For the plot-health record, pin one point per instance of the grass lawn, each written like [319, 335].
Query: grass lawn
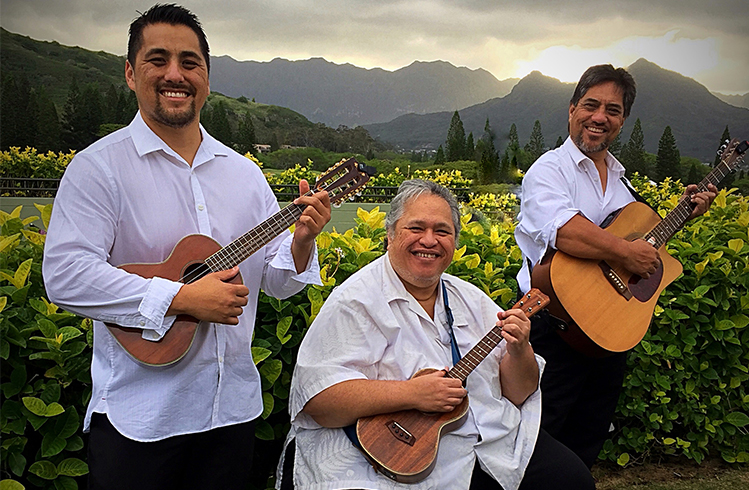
[673, 475]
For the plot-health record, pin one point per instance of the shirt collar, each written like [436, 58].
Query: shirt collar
[146, 141]
[579, 157]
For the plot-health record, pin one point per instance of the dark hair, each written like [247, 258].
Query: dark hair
[598, 74]
[166, 14]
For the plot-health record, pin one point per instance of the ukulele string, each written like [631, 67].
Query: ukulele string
[204, 269]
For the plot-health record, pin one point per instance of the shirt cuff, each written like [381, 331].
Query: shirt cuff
[154, 306]
[284, 260]
[559, 221]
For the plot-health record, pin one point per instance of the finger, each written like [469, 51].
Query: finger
[303, 188]
[228, 274]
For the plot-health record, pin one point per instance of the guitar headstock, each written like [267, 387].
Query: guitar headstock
[343, 179]
[532, 302]
[732, 153]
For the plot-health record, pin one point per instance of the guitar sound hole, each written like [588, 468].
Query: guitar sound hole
[194, 271]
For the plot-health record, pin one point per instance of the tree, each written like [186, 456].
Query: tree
[560, 142]
[49, 129]
[615, 148]
[668, 161]
[439, 157]
[470, 150]
[245, 135]
[489, 164]
[274, 145]
[513, 136]
[455, 146]
[535, 147]
[73, 119]
[220, 124]
[632, 155]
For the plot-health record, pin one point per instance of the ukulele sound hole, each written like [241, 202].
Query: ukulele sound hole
[194, 271]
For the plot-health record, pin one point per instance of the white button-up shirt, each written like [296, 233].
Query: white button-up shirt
[560, 184]
[372, 328]
[129, 198]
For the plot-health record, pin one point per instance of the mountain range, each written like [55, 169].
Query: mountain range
[345, 94]
[410, 107]
[696, 116]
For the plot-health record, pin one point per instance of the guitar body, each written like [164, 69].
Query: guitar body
[403, 445]
[188, 254]
[600, 318]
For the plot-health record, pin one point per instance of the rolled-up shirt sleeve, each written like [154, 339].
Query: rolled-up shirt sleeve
[547, 205]
[77, 274]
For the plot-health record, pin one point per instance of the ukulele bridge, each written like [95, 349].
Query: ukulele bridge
[615, 280]
[400, 433]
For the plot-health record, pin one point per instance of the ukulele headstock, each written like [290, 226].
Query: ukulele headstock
[343, 179]
[532, 302]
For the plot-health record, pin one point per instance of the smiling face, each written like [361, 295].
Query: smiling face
[422, 245]
[597, 119]
[170, 77]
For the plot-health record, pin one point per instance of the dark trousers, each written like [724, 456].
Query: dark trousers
[219, 458]
[579, 394]
[552, 466]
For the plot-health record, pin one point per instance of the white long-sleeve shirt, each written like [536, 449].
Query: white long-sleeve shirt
[388, 336]
[560, 184]
[129, 198]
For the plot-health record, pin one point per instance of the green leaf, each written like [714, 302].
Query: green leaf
[54, 409]
[4, 350]
[51, 392]
[264, 431]
[260, 354]
[270, 370]
[16, 463]
[72, 467]
[68, 333]
[35, 405]
[740, 320]
[268, 402]
[623, 459]
[739, 419]
[668, 441]
[724, 325]
[65, 483]
[44, 469]
[11, 485]
[67, 425]
[315, 298]
[48, 328]
[51, 445]
[282, 328]
[74, 444]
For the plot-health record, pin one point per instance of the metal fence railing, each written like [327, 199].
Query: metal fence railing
[24, 187]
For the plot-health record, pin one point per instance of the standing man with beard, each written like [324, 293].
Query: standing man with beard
[567, 194]
[129, 198]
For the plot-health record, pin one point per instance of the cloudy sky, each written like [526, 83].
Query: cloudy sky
[705, 40]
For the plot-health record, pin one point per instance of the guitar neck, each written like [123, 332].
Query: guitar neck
[678, 216]
[240, 249]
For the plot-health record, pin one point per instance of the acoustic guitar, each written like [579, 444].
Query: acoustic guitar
[403, 445]
[194, 256]
[624, 302]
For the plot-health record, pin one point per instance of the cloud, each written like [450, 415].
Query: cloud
[706, 40]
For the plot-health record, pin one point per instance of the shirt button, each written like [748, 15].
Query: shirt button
[220, 359]
[200, 207]
[142, 323]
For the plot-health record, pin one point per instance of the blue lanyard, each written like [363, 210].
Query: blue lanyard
[450, 321]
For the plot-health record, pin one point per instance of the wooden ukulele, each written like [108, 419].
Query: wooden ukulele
[194, 256]
[403, 445]
[619, 316]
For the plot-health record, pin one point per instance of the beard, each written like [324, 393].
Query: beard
[174, 119]
[580, 143]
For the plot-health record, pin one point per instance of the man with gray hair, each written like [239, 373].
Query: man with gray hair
[401, 314]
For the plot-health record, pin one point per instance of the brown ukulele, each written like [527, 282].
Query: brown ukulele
[197, 255]
[619, 316]
[403, 445]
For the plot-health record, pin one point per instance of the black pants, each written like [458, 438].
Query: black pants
[552, 467]
[219, 458]
[579, 394]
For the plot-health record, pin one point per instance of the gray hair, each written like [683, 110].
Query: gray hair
[598, 74]
[411, 189]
